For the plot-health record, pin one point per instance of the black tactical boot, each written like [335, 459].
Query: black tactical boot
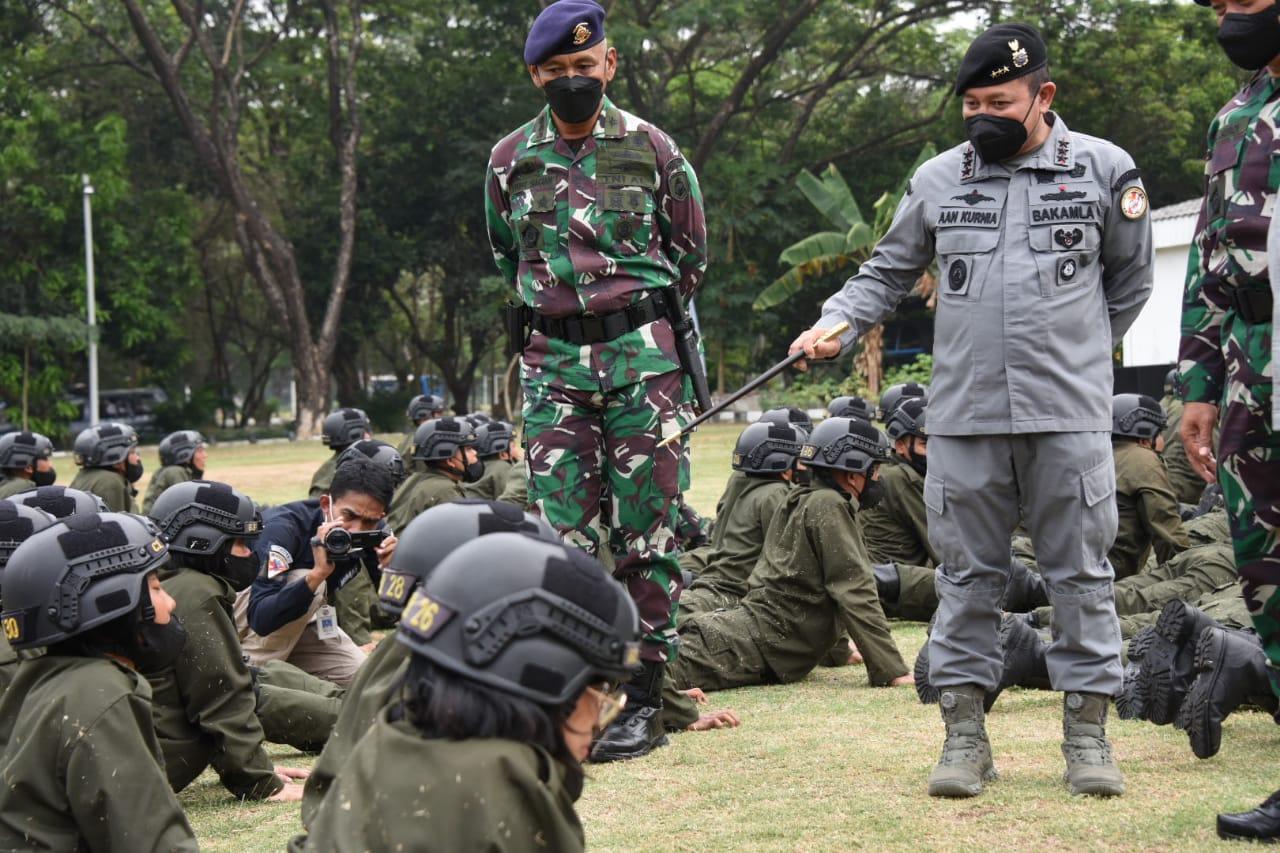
[1232, 671]
[1090, 767]
[1131, 704]
[1260, 824]
[1026, 589]
[920, 672]
[1167, 667]
[638, 729]
[966, 754]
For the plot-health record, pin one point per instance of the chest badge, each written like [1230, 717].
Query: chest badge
[1133, 204]
[972, 197]
[1063, 194]
[1067, 238]
[1067, 270]
[957, 275]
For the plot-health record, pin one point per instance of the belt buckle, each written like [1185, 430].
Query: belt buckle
[592, 329]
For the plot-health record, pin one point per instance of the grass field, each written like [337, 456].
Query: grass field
[828, 763]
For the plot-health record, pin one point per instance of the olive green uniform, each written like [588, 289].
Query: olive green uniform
[1187, 484]
[296, 707]
[371, 691]
[1224, 605]
[517, 488]
[492, 482]
[81, 763]
[812, 584]
[1148, 510]
[411, 465]
[402, 791]
[11, 486]
[737, 541]
[110, 485]
[420, 493]
[353, 607]
[897, 529]
[169, 475]
[204, 704]
[8, 664]
[323, 477]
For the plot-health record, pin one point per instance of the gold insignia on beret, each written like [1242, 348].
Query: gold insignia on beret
[1003, 69]
[1020, 57]
[581, 33]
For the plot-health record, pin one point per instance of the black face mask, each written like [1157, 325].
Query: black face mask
[473, 472]
[574, 99]
[802, 476]
[1251, 41]
[44, 478]
[133, 471]
[919, 463]
[872, 494]
[997, 138]
[239, 571]
[158, 646]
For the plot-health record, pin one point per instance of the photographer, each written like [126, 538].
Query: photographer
[308, 551]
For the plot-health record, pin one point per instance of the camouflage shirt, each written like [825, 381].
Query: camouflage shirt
[1242, 171]
[589, 231]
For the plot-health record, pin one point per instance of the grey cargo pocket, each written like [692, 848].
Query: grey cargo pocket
[964, 259]
[1099, 516]
[935, 494]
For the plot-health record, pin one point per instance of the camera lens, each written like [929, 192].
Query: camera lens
[337, 542]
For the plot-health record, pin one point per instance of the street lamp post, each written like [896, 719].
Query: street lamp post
[93, 323]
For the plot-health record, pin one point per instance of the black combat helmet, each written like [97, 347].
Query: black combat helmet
[1136, 416]
[379, 453]
[20, 449]
[440, 438]
[895, 394]
[493, 438]
[344, 427]
[60, 501]
[851, 407]
[907, 418]
[1171, 382]
[77, 574]
[434, 534]
[201, 520]
[177, 448]
[104, 445]
[845, 444]
[533, 619]
[424, 406]
[17, 523]
[767, 448]
[793, 416]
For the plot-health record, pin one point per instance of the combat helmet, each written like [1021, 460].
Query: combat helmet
[379, 453]
[534, 619]
[424, 406]
[61, 501]
[767, 448]
[907, 419]
[493, 438]
[440, 438]
[1137, 416]
[177, 448]
[20, 449]
[344, 427]
[851, 407]
[77, 574]
[198, 517]
[895, 394]
[1171, 384]
[104, 445]
[434, 534]
[17, 524]
[793, 416]
[845, 444]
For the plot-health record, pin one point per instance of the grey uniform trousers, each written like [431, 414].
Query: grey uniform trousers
[1062, 487]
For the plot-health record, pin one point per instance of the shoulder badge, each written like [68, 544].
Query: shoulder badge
[1133, 204]
[678, 180]
[279, 561]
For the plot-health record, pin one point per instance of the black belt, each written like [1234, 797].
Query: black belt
[1252, 304]
[581, 329]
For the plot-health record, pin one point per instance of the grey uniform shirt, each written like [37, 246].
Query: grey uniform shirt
[1039, 273]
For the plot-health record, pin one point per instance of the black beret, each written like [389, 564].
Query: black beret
[566, 26]
[1004, 52]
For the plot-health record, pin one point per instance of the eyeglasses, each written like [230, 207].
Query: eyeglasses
[612, 700]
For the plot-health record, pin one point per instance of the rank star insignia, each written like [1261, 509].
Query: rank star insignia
[1020, 58]
[581, 33]
[997, 72]
[1133, 204]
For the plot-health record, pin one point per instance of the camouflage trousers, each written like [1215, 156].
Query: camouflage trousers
[1249, 471]
[598, 476]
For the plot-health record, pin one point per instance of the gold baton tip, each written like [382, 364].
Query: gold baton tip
[832, 334]
[670, 439]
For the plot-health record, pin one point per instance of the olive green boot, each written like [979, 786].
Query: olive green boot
[1090, 768]
[966, 754]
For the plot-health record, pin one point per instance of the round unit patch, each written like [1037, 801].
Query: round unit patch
[1067, 269]
[957, 274]
[1133, 204]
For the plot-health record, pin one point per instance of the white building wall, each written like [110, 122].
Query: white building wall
[1153, 338]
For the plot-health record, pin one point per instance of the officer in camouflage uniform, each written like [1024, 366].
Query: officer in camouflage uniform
[766, 455]
[445, 450]
[26, 462]
[1188, 486]
[340, 430]
[109, 465]
[422, 408]
[1225, 356]
[594, 216]
[1145, 503]
[1044, 246]
[182, 459]
[498, 453]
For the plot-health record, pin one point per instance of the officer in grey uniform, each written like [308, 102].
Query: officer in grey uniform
[1044, 246]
